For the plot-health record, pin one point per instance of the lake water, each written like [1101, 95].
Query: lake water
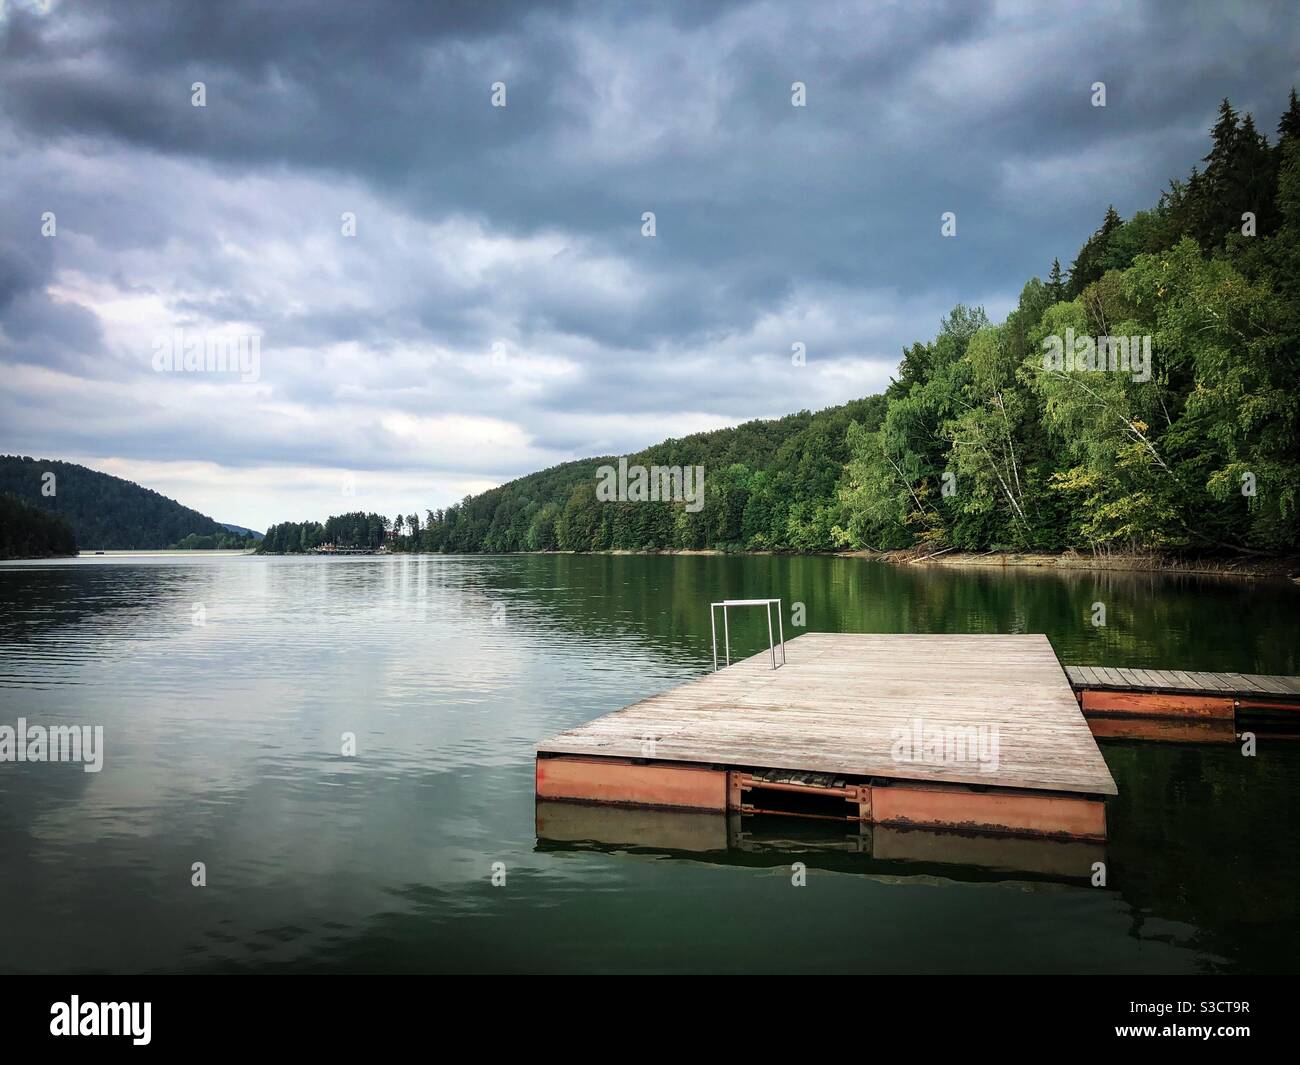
[223, 746]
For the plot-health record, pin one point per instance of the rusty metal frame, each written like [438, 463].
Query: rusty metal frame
[902, 803]
[622, 781]
[854, 795]
[1157, 704]
[1258, 702]
[1011, 811]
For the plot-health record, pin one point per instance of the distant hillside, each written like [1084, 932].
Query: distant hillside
[240, 530]
[769, 485]
[105, 512]
[29, 532]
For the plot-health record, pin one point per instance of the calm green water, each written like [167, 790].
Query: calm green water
[222, 745]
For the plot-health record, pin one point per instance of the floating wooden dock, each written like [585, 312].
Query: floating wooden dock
[970, 732]
[1176, 706]
[1155, 692]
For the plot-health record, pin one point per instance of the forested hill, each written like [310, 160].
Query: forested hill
[767, 481]
[29, 532]
[105, 512]
[1146, 399]
[768, 484]
[1196, 449]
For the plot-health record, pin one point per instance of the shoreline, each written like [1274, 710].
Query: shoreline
[1284, 567]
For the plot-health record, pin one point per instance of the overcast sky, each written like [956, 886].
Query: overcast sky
[498, 309]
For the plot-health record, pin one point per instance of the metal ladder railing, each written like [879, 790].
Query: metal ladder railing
[726, 627]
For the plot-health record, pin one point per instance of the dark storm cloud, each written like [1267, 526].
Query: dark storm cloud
[520, 227]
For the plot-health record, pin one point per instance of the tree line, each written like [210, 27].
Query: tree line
[981, 442]
[342, 530]
[226, 540]
[983, 445]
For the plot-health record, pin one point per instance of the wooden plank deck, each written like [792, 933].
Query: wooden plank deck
[838, 705]
[1230, 685]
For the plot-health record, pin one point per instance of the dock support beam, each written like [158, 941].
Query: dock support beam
[903, 804]
[1157, 704]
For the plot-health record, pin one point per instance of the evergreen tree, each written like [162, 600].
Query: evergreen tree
[1288, 126]
[1088, 266]
[1055, 282]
